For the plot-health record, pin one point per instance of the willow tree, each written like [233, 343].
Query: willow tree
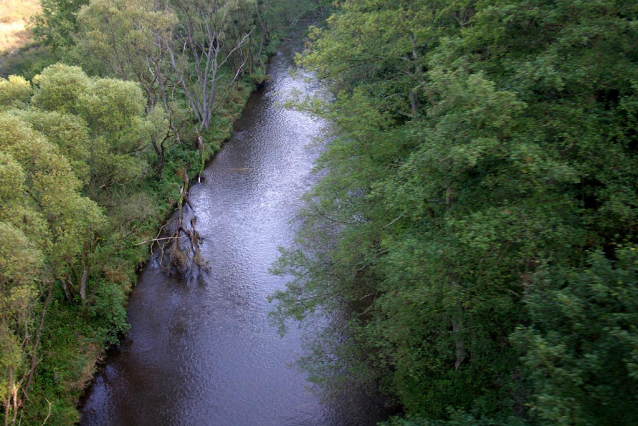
[45, 224]
[112, 111]
[127, 40]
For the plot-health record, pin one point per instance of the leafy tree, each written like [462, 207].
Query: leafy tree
[68, 132]
[19, 266]
[14, 92]
[45, 222]
[474, 144]
[128, 39]
[113, 111]
[57, 22]
[60, 88]
[53, 197]
[582, 347]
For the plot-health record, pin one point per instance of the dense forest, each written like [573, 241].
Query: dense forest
[101, 135]
[475, 227]
[473, 235]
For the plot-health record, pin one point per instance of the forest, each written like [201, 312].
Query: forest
[473, 236]
[105, 122]
[474, 230]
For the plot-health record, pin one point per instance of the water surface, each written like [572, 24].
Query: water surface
[201, 350]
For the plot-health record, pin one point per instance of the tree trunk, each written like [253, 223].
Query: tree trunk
[459, 343]
[83, 281]
[66, 282]
[36, 345]
[7, 402]
[159, 151]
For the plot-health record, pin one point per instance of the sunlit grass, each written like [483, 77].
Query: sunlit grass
[14, 19]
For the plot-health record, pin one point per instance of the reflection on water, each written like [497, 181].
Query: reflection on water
[201, 351]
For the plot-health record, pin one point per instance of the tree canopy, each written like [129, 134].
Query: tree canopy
[484, 158]
[95, 153]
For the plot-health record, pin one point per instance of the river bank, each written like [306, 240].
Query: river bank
[201, 349]
[73, 334]
[75, 338]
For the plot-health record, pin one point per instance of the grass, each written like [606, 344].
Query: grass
[14, 20]
[18, 52]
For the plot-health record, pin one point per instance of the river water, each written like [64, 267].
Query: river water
[201, 350]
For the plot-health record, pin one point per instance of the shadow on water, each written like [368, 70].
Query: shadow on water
[201, 351]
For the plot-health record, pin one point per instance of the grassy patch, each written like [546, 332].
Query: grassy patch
[19, 54]
[14, 20]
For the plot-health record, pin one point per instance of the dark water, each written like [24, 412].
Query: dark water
[201, 351]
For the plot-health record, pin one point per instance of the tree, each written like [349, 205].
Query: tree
[581, 350]
[129, 40]
[68, 132]
[14, 92]
[113, 111]
[44, 222]
[20, 266]
[57, 22]
[474, 145]
[203, 32]
[54, 214]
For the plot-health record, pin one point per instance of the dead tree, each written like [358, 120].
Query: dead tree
[178, 241]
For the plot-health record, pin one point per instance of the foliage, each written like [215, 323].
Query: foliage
[14, 92]
[55, 150]
[475, 143]
[112, 111]
[582, 349]
[91, 161]
[57, 22]
[457, 418]
[125, 39]
[44, 221]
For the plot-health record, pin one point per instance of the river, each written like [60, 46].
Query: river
[201, 350]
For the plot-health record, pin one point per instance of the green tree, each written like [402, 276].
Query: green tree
[45, 224]
[57, 23]
[68, 132]
[53, 197]
[20, 267]
[582, 349]
[475, 143]
[128, 39]
[113, 111]
[14, 92]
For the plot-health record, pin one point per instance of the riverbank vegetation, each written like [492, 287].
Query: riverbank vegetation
[98, 145]
[477, 217]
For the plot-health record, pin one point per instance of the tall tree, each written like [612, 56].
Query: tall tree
[45, 223]
[475, 144]
[113, 111]
[57, 23]
[204, 33]
[128, 38]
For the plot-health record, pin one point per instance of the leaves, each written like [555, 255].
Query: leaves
[476, 141]
[582, 349]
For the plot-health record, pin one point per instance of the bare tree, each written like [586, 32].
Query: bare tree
[199, 48]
